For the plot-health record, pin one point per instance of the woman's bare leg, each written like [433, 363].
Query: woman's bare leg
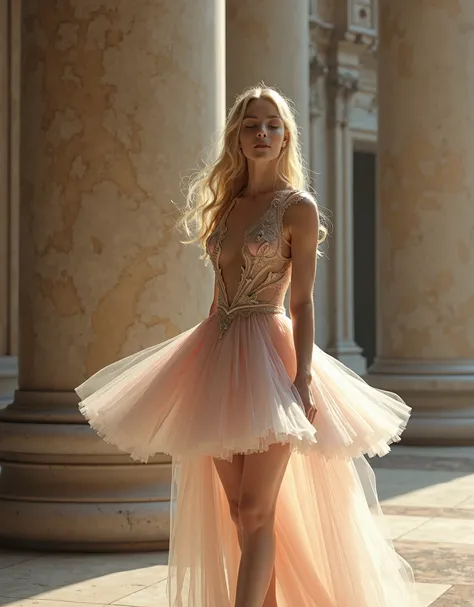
[271, 596]
[230, 474]
[261, 480]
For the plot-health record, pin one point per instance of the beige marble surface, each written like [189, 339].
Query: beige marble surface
[103, 270]
[425, 149]
[439, 547]
[425, 325]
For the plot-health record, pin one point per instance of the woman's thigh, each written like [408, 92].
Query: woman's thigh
[260, 486]
[230, 474]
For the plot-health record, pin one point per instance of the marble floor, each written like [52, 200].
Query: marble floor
[427, 494]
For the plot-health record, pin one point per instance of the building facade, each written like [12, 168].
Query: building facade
[105, 105]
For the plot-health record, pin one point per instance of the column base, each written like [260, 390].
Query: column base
[350, 354]
[63, 488]
[8, 379]
[441, 394]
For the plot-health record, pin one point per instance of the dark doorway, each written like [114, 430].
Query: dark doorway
[364, 253]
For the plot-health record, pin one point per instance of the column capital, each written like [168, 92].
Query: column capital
[318, 71]
[343, 84]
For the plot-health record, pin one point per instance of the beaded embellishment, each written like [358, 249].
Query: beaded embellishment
[258, 273]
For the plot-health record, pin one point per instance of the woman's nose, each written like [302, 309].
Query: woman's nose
[261, 133]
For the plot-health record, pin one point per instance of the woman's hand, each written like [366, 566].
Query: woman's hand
[303, 387]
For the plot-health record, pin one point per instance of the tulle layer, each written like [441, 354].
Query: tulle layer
[331, 546]
[199, 394]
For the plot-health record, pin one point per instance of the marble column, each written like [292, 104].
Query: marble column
[4, 182]
[8, 207]
[426, 215]
[268, 41]
[119, 100]
[342, 87]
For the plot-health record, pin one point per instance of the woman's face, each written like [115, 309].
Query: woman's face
[262, 134]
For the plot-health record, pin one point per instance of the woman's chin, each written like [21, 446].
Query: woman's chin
[261, 154]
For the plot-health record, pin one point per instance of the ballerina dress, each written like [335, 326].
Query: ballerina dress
[225, 387]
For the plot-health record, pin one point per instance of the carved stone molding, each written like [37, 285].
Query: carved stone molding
[322, 27]
[363, 114]
[321, 32]
[323, 11]
[441, 393]
[366, 102]
[343, 85]
[363, 15]
[372, 47]
[356, 22]
[346, 83]
[317, 73]
[317, 68]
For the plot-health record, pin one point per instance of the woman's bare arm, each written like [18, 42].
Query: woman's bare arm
[303, 224]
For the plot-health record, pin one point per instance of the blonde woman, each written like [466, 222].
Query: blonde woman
[273, 502]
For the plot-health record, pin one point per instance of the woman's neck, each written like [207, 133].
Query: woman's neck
[263, 178]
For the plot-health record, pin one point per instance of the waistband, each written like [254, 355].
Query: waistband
[227, 315]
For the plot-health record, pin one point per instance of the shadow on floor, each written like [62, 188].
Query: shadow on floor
[108, 577]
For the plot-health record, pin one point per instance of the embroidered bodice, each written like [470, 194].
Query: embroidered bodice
[265, 270]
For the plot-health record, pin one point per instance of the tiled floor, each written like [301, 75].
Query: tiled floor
[427, 494]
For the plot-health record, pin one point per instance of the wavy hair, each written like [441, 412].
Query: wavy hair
[215, 186]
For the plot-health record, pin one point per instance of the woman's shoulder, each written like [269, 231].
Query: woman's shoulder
[299, 208]
[298, 198]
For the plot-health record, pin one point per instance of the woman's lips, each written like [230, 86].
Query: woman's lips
[261, 145]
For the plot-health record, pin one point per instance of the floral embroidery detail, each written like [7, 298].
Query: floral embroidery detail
[261, 252]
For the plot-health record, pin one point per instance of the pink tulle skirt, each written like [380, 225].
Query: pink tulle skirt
[201, 396]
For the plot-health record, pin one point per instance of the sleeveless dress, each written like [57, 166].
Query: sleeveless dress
[226, 387]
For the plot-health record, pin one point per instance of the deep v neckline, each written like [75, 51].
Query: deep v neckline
[248, 230]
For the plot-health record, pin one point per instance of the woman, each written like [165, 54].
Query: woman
[273, 502]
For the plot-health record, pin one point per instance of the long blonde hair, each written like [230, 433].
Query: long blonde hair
[214, 187]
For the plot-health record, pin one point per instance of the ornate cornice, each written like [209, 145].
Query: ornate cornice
[343, 37]
[322, 27]
[343, 86]
[317, 67]
[359, 20]
[346, 83]
[317, 73]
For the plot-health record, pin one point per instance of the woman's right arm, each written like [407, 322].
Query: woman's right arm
[213, 307]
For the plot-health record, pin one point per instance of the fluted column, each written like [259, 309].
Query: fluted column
[426, 215]
[119, 99]
[268, 41]
[342, 86]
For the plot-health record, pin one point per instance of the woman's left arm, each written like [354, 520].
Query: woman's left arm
[303, 224]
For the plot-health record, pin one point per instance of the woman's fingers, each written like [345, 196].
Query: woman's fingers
[311, 411]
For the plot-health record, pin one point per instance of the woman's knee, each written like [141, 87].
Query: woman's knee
[253, 515]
